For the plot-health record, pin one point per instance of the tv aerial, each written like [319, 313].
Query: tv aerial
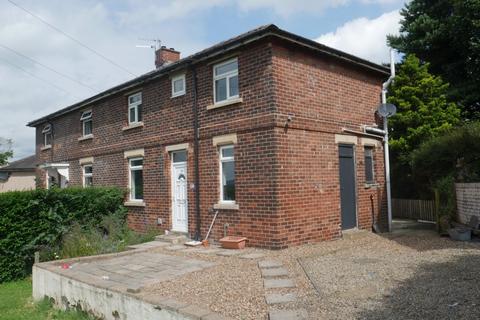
[155, 44]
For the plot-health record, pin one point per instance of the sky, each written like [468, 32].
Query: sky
[43, 70]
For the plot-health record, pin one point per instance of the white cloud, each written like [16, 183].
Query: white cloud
[286, 8]
[366, 38]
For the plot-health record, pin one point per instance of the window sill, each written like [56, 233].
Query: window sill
[46, 148]
[133, 203]
[177, 95]
[371, 185]
[133, 126]
[226, 206]
[225, 103]
[87, 137]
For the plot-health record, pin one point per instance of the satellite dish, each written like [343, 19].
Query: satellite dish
[386, 110]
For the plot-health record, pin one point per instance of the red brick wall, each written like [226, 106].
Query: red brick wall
[280, 201]
[322, 97]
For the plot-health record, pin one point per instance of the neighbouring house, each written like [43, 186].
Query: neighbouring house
[18, 175]
[266, 128]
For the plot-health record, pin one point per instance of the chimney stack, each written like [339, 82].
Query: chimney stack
[164, 56]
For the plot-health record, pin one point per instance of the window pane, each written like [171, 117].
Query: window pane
[232, 66]
[87, 127]
[368, 164]
[132, 115]
[228, 180]
[139, 113]
[137, 184]
[88, 169]
[135, 98]
[178, 85]
[233, 82]
[227, 152]
[220, 90]
[48, 139]
[180, 156]
[88, 181]
[136, 163]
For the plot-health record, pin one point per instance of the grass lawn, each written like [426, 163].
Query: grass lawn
[16, 304]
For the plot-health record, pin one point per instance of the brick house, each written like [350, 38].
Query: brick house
[273, 122]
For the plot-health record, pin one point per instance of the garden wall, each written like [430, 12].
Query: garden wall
[468, 201]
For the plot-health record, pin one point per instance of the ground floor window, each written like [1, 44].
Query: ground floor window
[136, 178]
[369, 166]
[227, 174]
[88, 175]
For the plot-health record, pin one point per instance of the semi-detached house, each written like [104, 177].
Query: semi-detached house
[266, 128]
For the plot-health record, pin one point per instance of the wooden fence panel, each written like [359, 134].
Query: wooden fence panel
[414, 209]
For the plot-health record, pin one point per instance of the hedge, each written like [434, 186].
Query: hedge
[30, 220]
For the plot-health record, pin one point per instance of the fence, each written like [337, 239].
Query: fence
[414, 209]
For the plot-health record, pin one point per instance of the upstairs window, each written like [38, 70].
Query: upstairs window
[86, 120]
[369, 165]
[178, 85]
[47, 135]
[225, 77]
[227, 174]
[135, 108]
[88, 175]
[136, 178]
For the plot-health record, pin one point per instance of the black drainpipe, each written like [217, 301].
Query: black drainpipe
[196, 137]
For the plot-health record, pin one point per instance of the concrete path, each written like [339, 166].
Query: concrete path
[275, 277]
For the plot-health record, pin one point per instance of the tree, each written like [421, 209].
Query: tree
[446, 33]
[423, 112]
[5, 151]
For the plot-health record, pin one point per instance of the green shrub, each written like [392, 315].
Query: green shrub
[40, 219]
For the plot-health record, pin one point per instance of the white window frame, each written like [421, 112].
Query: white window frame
[223, 159]
[227, 76]
[130, 181]
[134, 105]
[47, 130]
[87, 175]
[86, 117]
[182, 92]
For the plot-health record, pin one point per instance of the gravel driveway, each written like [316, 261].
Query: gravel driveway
[406, 275]
[410, 276]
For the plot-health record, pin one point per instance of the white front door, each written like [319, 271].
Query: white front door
[179, 193]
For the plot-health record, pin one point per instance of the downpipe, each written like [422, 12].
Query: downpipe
[385, 86]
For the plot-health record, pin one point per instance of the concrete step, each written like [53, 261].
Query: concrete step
[354, 234]
[173, 238]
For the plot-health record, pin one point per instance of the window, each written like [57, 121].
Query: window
[227, 174]
[225, 76]
[88, 175]
[47, 135]
[369, 167]
[135, 108]
[178, 85]
[136, 178]
[86, 120]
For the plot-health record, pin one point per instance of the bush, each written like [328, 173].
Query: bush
[36, 219]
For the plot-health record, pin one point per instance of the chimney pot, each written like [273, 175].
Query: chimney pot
[164, 56]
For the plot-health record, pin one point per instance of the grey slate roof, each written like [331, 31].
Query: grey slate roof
[22, 165]
[219, 49]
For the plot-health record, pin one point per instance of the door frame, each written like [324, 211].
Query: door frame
[355, 188]
[172, 188]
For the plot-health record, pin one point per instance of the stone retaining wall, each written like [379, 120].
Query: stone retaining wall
[468, 201]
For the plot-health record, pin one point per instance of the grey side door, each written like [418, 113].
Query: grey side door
[347, 186]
